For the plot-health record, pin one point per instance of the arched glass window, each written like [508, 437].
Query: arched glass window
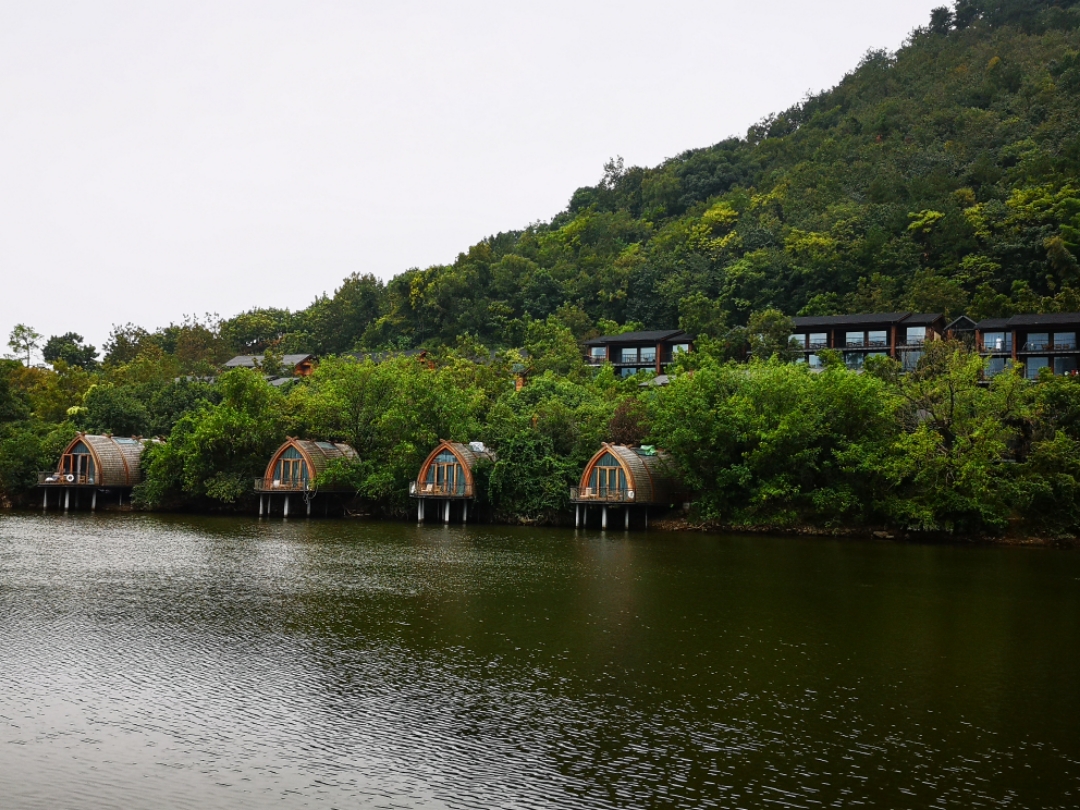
[78, 462]
[607, 476]
[445, 475]
[291, 471]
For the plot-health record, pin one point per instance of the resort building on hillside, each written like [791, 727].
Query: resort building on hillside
[899, 335]
[446, 479]
[638, 351]
[106, 465]
[1036, 341]
[301, 365]
[294, 469]
[962, 329]
[623, 477]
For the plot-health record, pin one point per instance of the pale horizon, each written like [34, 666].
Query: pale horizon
[172, 160]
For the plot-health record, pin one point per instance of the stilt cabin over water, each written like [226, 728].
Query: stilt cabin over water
[446, 477]
[625, 477]
[294, 469]
[98, 464]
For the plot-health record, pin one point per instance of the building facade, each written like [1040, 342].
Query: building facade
[633, 352]
[899, 335]
[1035, 341]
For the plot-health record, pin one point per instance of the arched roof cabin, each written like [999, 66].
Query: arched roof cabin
[298, 463]
[629, 475]
[448, 471]
[98, 461]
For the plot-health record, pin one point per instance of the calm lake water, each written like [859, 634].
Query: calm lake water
[223, 663]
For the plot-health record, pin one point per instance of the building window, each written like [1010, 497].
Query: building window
[877, 338]
[1064, 365]
[797, 342]
[1034, 364]
[648, 354]
[819, 340]
[994, 366]
[910, 360]
[680, 348]
[997, 342]
[1037, 342]
[854, 360]
[628, 372]
[854, 339]
[598, 354]
[916, 335]
[1065, 340]
[629, 355]
[814, 361]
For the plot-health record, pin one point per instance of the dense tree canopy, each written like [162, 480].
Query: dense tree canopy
[941, 178]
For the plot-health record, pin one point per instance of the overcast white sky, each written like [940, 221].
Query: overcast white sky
[159, 159]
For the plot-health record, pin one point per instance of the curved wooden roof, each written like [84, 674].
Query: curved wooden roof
[648, 475]
[465, 454]
[316, 454]
[118, 460]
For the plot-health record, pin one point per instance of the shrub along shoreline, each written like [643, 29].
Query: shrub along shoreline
[765, 446]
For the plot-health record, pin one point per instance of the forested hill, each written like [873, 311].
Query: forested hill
[944, 177]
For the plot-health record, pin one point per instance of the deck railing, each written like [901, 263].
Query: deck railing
[288, 485]
[52, 478]
[601, 495]
[426, 489]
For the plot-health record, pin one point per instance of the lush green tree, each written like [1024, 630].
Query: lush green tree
[24, 341]
[953, 466]
[71, 349]
[771, 443]
[392, 413]
[217, 451]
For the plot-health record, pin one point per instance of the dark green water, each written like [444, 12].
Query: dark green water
[223, 663]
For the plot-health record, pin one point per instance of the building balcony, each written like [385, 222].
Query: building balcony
[868, 346]
[52, 478]
[429, 490]
[288, 485]
[1045, 348]
[601, 495]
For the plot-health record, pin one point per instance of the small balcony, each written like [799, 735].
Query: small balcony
[52, 478]
[440, 490]
[601, 495]
[287, 485]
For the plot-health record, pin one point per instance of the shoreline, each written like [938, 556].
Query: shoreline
[672, 525]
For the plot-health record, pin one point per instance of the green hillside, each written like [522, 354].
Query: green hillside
[941, 177]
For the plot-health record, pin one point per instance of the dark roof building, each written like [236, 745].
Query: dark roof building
[899, 335]
[632, 352]
[1033, 341]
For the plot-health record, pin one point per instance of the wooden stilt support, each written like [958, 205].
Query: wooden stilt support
[603, 518]
[93, 502]
[309, 508]
[261, 505]
[67, 499]
[464, 512]
[626, 525]
[577, 515]
[446, 512]
[286, 506]
[44, 500]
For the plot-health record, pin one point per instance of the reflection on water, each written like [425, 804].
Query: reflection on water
[221, 663]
